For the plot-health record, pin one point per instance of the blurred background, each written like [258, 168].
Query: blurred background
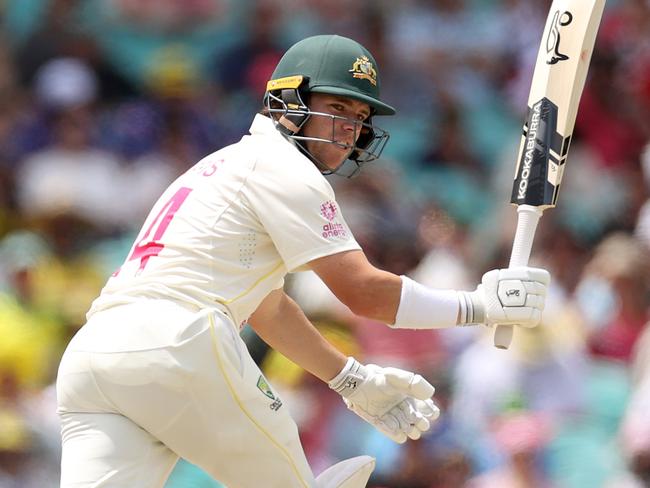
[104, 102]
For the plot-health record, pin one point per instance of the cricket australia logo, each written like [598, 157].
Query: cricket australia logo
[264, 387]
[560, 19]
[362, 68]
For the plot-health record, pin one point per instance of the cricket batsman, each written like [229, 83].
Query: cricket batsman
[159, 370]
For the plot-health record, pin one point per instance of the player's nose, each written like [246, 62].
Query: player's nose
[349, 130]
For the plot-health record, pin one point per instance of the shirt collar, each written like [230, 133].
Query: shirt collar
[263, 125]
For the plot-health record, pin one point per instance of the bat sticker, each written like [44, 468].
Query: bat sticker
[553, 39]
[542, 157]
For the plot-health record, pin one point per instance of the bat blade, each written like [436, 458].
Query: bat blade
[558, 80]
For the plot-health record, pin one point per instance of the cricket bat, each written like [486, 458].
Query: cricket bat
[558, 80]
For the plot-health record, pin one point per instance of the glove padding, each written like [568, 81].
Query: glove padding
[512, 296]
[396, 402]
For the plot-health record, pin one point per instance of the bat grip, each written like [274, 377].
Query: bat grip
[528, 217]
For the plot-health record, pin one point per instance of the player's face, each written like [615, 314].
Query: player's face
[344, 132]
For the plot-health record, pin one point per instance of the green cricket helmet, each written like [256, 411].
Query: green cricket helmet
[332, 65]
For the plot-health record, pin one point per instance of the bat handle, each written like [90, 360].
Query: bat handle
[528, 217]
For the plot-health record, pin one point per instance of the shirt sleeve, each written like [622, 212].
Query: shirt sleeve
[297, 208]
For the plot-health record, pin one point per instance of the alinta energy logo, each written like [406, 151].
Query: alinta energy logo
[329, 210]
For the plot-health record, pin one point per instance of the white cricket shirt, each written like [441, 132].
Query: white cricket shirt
[226, 232]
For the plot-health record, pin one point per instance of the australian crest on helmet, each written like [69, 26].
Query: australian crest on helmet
[362, 68]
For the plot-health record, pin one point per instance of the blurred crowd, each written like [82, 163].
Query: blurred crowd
[104, 102]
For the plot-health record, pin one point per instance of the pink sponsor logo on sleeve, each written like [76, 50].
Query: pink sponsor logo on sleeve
[329, 210]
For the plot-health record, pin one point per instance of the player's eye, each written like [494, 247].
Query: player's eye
[342, 109]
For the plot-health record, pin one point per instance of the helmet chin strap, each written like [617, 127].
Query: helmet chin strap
[288, 124]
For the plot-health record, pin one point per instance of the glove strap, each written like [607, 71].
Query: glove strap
[351, 376]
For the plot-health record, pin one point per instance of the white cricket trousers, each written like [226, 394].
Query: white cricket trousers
[143, 384]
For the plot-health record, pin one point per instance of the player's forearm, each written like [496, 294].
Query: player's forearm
[368, 291]
[284, 327]
[403, 303]
[383, 296]
[377, 296]
[394, 300]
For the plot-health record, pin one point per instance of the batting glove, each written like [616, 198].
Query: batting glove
[513, 296]
[396, 402]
